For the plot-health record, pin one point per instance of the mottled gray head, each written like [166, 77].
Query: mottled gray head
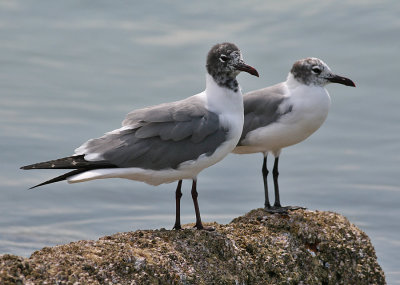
[313, 71]
[225, 62]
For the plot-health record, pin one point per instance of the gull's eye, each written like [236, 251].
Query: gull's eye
[316, 70]
[223, 58]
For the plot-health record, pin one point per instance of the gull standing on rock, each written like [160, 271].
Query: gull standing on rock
[171, 141]
[286, 114]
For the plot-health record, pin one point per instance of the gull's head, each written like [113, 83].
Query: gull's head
[314, 72]
[225, 62]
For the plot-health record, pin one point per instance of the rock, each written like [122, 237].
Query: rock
[304, 247]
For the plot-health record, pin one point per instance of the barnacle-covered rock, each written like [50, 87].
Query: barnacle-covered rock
[303, 247]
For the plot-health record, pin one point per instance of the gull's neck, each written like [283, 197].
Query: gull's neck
[222, 98]
[293, 83]
[225, 80]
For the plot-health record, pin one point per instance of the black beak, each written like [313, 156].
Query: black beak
[341, 80]
[247, 68]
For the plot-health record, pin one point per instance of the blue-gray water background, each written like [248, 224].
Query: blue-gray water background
[71, 70]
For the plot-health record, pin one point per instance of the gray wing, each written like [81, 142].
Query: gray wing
[261, 108]
[161, 137]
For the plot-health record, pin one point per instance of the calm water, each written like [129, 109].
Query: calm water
[71, 70]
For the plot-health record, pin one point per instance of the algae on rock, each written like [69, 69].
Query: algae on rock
[303, 247]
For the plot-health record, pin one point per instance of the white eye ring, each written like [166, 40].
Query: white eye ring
[316, 70]
[223, 58]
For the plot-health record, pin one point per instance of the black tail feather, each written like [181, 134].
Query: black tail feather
[61, 177]
[70, 162]
[76, 162]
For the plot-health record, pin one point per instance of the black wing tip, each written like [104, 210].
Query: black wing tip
[60, 178]
[34, 187]
[44, 183]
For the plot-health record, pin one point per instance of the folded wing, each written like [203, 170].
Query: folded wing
[159, 137]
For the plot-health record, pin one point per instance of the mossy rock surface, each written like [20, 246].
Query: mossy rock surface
[304, 247]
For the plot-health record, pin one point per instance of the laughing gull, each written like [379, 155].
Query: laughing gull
[171, 141]
[286, 114]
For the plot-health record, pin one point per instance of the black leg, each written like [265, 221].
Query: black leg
[199, 224]
[178, 195]
[267, 204]
[275, 173]
[277, 208]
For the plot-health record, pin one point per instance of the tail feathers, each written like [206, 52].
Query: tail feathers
[70, 162]
[77, 162]
[61, 177]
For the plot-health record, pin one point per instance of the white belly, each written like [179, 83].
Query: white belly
[278, 135]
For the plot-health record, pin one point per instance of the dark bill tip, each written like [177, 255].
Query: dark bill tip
[247, 68]
[341, 80]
